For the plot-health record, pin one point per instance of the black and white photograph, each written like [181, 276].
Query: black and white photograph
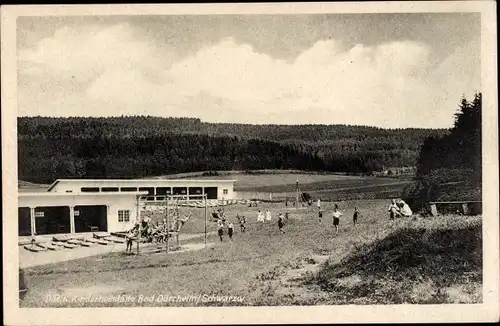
[254, 162]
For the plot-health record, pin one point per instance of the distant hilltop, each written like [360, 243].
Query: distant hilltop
[136, 147]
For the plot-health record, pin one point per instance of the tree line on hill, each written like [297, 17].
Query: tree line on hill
[140, 146]
[449, 168]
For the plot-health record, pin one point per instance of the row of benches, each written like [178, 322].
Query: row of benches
[461, 207]
[71, 242]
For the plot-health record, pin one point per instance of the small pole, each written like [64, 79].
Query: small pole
[168, 228]
[297, 198]
[205, 200]
[140, 224]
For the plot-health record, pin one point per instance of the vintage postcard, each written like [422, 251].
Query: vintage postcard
[250, 163]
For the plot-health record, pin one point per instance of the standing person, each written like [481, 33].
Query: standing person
[280, 223]
[230, 231]
[268, 215]
[319, 204]
[336, 218]
[286, 215]
[242, 221]
[130, 237]
[220, 225]
[393, 209]
[260, 217]
[320, 215]
[355, 216]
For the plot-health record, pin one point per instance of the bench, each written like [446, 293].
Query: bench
[466, 207]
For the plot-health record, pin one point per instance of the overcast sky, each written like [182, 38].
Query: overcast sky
[386, 70]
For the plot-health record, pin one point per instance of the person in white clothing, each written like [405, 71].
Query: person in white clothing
[405, 209]
[268, 215]
[319, 204]
[336, 218]
[260, 217]
[393, 210]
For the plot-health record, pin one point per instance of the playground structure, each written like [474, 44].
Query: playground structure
[165, 219]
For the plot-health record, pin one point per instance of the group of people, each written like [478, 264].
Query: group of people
[222, 225]
[263, 217]
[396, 209]
[399, 209]
[154, 232]
[159, 231]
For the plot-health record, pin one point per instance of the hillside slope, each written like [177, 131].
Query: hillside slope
[130, 147]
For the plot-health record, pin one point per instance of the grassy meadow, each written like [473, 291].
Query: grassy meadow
[377, 261]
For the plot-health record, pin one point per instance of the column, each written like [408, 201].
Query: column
[72, 219]
[187, 192]
[465, 208]
[107, 219]
[32, 221]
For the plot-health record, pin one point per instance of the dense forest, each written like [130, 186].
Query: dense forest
[450, 167]
[139, 146]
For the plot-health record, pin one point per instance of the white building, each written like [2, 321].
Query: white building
[77, 206]
[158, 188]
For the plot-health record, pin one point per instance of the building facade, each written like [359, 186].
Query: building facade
[56, 213]
[110, 205]
[156, 189]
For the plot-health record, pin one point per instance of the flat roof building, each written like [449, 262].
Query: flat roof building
[110, 205]
[156, 189]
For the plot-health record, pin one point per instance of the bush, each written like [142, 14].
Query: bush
[442, 185]
[211, 174]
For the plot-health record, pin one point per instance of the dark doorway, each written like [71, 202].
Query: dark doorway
[24, 221]
[180, 191]
[52, 220]
[195, 193]
[211, 192]
[91, 218]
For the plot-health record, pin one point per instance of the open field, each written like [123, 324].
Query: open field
[377, 261]
[283, 183]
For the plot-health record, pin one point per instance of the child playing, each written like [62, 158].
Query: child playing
[130, 237]
[336, 218]
[268, 215]
[230, 231]
[280, 223]
[242, 221]
[220, 225]
[393, 209]
[355, 216]
[260, 217]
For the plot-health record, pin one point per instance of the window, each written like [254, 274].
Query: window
[195, 191]
[109, 189]
[224, 191]
[123, 216]
[180, 191]
[150, 190]
[39, 214]
[89, 189]
[129, 189]
[163, 191]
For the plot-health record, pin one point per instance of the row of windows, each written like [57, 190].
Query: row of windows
[151, 190]
[123, 215]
